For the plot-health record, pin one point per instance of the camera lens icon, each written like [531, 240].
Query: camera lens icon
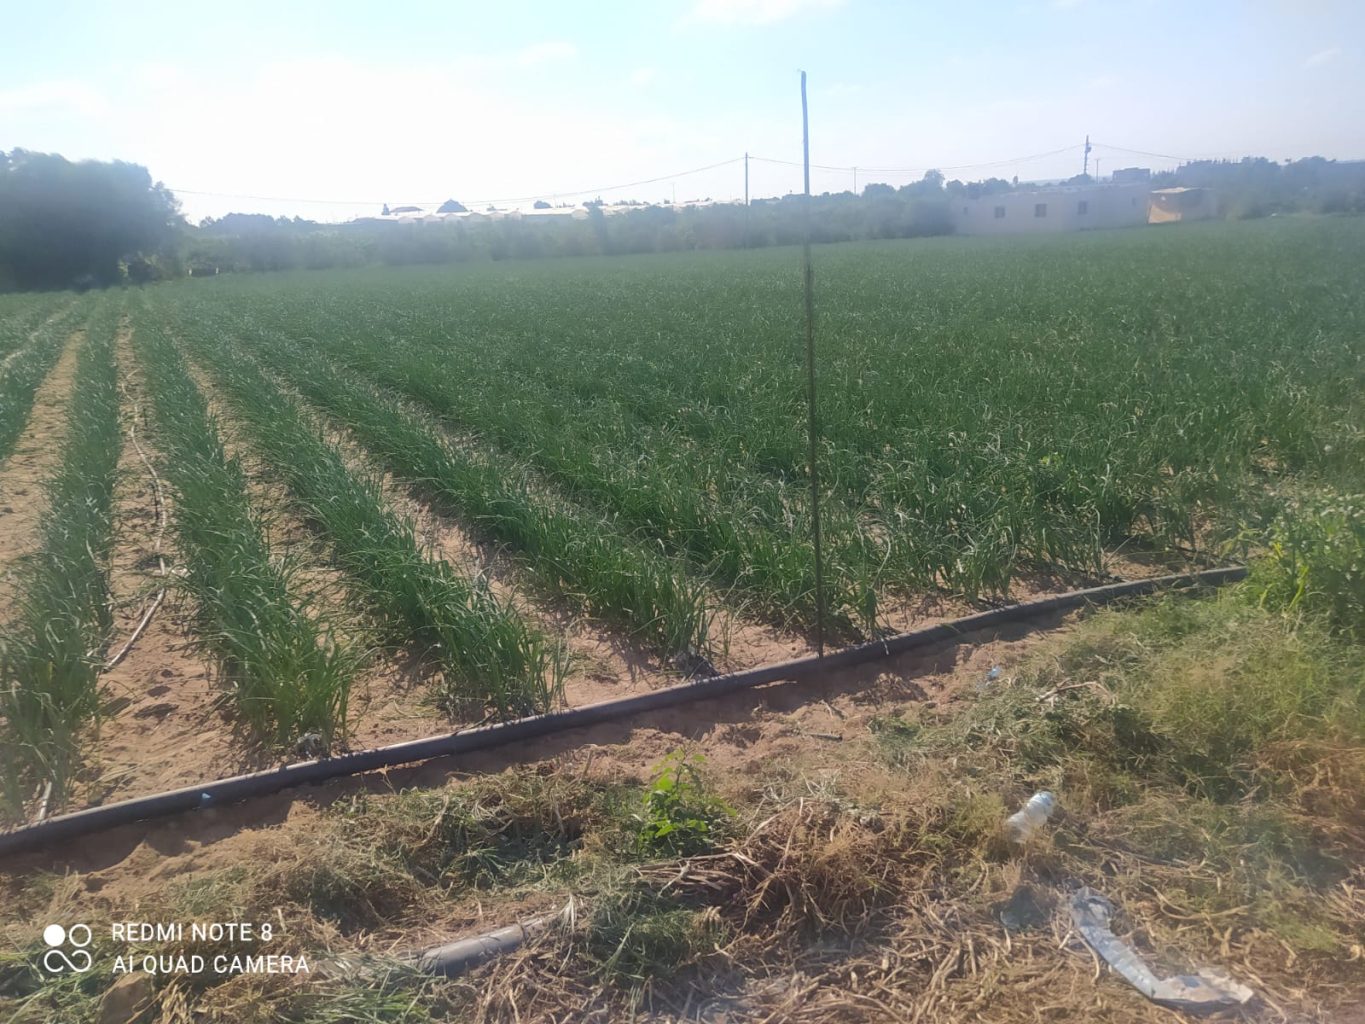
[57, 960]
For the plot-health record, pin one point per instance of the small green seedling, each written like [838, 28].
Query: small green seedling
[679, 816]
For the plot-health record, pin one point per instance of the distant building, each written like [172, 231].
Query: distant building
[1131, 176]
[1052, 210]
[555, 213]
[1174, 204]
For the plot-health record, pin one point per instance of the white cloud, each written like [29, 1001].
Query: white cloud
[642, 77]
[53, 97]
[339, 130]
[840, 90]
[754, 12]
[542, 53]
[1323, 57]
[1063, 5]
[159, 77]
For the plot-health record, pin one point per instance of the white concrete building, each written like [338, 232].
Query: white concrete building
[1052, 210]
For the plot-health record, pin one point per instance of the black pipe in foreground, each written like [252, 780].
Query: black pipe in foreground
[244, 787]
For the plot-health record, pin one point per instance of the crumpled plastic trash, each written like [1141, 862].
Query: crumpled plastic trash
[1029, 820]
[1205, 992]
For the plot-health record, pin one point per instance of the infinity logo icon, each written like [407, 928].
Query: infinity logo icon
[56, 960]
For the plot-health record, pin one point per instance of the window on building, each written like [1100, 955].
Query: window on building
[999, 213]
[1083, 207]
[1040, 209]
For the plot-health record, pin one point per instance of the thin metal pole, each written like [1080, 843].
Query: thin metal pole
[813, 425]
[746, 200]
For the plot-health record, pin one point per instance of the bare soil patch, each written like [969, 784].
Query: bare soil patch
[164, 729]
[748, 737]
[34, 459]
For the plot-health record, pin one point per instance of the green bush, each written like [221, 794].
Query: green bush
[679, 815]
[1317, 562]
[1217, 696]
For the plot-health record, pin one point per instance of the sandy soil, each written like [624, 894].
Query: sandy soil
[604, 665]
[34, 459]
[168, 725]
[748, 738]
[163, 729]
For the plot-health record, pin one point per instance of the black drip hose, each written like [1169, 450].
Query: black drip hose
[245, 787]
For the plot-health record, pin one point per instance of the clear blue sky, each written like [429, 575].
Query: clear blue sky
[405, 101]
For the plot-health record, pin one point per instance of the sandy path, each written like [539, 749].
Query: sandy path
[390, 697]
[170, 726]
[604, 664]
[821, 724]
[163, 729]
[35, 458]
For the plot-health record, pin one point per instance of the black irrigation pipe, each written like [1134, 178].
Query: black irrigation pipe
[245, 787]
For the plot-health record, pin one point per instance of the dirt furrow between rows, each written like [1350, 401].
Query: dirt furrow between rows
[35, 458]
[390, 699]
[163, 729]
[604, 663]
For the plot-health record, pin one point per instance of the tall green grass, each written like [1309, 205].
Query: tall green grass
[35, 345]
[22, 315]
[288, 675]
[571, 552]
[488, 653]
[990, 408]
[735, 524]
[1219, 696]
[1316, 561]
[53, 637]
[732, 525]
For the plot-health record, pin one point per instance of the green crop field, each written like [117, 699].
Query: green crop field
[987, 409]
[630, 435]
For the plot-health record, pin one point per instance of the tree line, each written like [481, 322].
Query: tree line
[67, 224]
[83, 224]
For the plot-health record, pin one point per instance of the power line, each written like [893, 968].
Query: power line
[611, 188]
[475, 202]
[798, 163]
[919, 170]
[857, 168]
[965, 167]
[1143, 152]
[275, 199]
[1171, 156]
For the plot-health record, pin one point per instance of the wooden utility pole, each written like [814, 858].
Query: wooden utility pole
[812, 423]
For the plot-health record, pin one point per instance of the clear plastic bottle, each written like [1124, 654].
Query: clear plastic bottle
[1024, 824]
